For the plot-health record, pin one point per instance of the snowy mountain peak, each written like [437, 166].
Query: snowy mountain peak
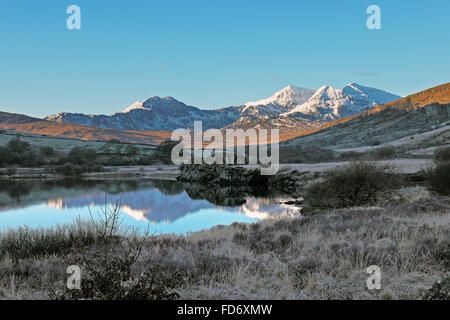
[287, 97]
[329, 103]
[152, 102]
[327, 91]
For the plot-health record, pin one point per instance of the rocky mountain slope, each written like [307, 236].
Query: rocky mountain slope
[154, 114]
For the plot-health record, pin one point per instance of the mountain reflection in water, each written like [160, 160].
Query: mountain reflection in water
[161, 203]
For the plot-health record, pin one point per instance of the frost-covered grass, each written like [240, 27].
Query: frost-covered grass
[323, 256]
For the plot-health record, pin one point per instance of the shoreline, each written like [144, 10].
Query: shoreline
[171, 172]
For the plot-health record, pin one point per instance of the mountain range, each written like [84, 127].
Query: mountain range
[291, 109]
[306, 113]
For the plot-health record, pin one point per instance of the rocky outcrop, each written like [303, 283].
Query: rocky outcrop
[228, 176]
[436, 110]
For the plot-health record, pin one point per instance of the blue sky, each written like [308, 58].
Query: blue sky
[212, 54]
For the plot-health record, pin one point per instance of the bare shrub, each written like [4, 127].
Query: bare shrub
[351, 155]
[300, 268]
[358, 183]
[386, 152]
[442, 154]
[106, 222]
[111, 273]
[438, 178]
[111, 269]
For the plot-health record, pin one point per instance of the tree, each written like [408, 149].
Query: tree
[47, 151]
[81, 155]
[131, 150]
[164, 150]
[18, 146]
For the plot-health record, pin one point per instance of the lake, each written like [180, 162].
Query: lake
[156, 206]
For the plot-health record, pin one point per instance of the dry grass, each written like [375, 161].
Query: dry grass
[324, 256]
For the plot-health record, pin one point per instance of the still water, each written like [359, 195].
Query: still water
[156, 206]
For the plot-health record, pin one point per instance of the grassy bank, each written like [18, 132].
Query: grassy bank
[323, 256]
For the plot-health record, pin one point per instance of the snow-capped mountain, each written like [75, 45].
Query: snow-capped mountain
[284, 99]
[292, 108]
[306, 110]
[329, 103]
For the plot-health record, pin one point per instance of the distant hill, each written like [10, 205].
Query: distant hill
[26, 124]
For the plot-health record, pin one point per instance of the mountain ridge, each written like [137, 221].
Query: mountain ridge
[281, 110]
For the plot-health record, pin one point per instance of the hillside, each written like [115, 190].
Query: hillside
[361, 122]
[439, 94]
[25, 124]
[360, 126]
[413, 131]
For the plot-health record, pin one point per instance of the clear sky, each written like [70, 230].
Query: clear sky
[212, 53]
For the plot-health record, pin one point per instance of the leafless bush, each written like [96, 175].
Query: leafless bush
[442, 155]
[358, 183]
[438, 178]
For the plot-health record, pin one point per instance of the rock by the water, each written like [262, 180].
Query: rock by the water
[223, 176]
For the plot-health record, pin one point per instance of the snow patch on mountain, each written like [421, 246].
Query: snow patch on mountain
[287, 98]
[134, 106]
